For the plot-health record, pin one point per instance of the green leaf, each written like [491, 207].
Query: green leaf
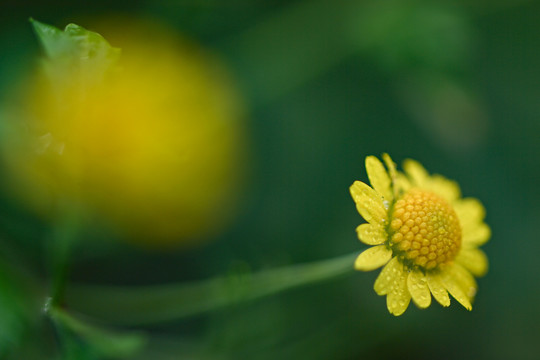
[12, 312]
[93, 339]
[53, 39]
[75, 50]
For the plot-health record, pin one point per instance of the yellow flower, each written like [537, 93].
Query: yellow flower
[424, 234]
[153, 147]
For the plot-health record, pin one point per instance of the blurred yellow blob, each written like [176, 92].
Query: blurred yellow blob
[155, 147]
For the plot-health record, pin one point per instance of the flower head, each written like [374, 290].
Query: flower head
[148, 140]
[424, 234]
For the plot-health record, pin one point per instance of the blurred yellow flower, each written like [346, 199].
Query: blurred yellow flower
[153, 145]
[424, 234]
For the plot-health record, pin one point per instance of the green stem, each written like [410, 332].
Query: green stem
[154, 304]
[101, 340]
[63, 238]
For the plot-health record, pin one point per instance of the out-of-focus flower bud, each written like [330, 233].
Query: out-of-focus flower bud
[152, 143]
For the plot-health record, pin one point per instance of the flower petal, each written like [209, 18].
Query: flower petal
[378, 177]
[460, 286]
[371, 234]
[402, 184]
[384, 281]
[369, 203]
[398, 298]
[453, 288]
[437, 289]
[390, 165]
[476, 236]
[470, 211]
[373, 258]
[464, 278]
[418, 288]
[419, 176]
[473, 260]
[446, 188]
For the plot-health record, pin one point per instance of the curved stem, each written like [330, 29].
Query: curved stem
[105, 341]
[62, 240]
[153, 304]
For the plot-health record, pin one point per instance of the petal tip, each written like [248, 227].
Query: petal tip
[373, 258]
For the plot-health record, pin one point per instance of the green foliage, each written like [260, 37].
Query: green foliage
[13, 311]
[82, 340]
[75, 51]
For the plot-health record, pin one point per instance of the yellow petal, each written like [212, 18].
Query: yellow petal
[476, 236]
[437, 289]
[473, 260]
[384, 281]
[369, 203]
[401, 184]
[446, 188]
[453, 288]
[373, 258]
[371, 234]
[464, 278]
[398, 298]
[390, 165]
[470, 212]
[419, 176]
[418, 288]
[457, 285]
[378, 177]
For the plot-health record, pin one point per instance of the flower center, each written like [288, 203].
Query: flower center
[424, 230]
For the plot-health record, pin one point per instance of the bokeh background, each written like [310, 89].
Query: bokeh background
[453, 84]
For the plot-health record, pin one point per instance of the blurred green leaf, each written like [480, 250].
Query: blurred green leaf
[75, 50]
[75, 41]
[96, 340]
[12, 312]
[54, 41]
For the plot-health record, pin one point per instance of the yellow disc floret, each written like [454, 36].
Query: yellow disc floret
[424, 230]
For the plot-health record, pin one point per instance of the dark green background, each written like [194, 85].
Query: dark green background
[455, 85]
